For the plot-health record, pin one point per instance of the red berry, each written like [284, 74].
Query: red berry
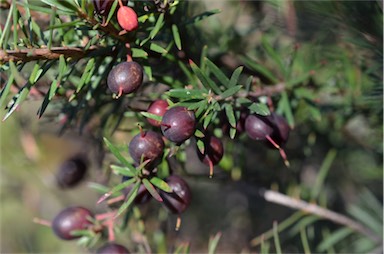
[158, 107]
[69, 220]
[127, 18]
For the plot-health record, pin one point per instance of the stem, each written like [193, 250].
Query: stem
[294, 203]
[27, 55]
[42, 222]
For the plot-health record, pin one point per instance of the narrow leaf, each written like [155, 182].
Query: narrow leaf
[161, 184]
[231, 91]
[130, 198]
[152, 116]
[118, 155]
[235, 77]
[230, 115]
[217, 72]
[259, 68]
[159, 24]
[139, 53]
[157, 48]
[117, 188]
[176, 36]
[334, 238]
[260, 109]
[152, 190]
[213, 242]
[187, 93]
[125, 171]
[205, 80]
[5, 90]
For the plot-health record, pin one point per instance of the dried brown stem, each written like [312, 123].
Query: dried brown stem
[281, 199]
[27, 55]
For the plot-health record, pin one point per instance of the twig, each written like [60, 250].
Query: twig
[267, 90]
[27, 55]
[281, 199]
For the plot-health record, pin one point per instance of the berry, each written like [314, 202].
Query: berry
[126, 77]
[178, 124]
[147, 144]
[213, 152]
[158, 107]
[71, 172]
[103, 7]
[69, 220]
[143, 195]
[112, 248]
[281, 128]
[178, 200]
[258, 127]
[127, 18]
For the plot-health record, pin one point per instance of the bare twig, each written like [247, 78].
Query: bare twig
[281, 199]
[27, 55]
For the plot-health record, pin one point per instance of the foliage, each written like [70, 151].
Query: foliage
[326, 83]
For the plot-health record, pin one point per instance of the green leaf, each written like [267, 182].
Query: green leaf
[139, 53]
[7, 28]
[148, 71]
[65, 6]
[111, 12]
[334, 238]
[260, 109]
[116, 189]
[159, 24]
[182, 93]
[152, 116]
[200, 145]
[366, 218]
[323, 172]
[98, 187]
[5, 90]
[130, 198]
[176, 36]
[213, 242]
[118, 155]
[51, 24]
[18, 99]
[152, 190]
[205, 80]
[232, 132]
[157, 48]
[207, 120]
[260, 68]
[231, 91]
[276, 238]
[217, 72]
[125, 171]
[230, 114]
[162, 185]
[199, 134]
[274, 55]
[88, 71]
[235, 77]
[285, 106]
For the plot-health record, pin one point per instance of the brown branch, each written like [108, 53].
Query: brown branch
[281, 199]
[27, 55]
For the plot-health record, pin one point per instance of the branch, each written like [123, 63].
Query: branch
[281, 199]
[27, 55]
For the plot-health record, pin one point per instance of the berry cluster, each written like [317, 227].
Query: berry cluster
[172, 125]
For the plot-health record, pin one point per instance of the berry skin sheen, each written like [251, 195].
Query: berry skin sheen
[178, 124]
[125, 78]
[158, 107]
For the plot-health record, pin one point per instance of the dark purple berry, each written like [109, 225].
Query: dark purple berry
[102, 7]
[158, 107]
[71, 172]
[112, 248]
[178, 124]
[213, 152]
[71, 219]
[258, 127]
[178, 200]
[125, 78]
[149, 145]
[143, 195]
[281, 128]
